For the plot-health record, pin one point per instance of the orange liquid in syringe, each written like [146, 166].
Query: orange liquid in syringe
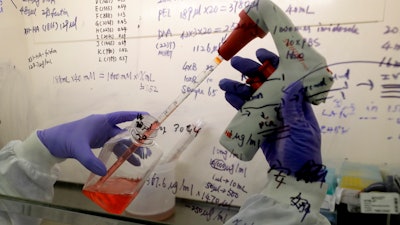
[114, 195]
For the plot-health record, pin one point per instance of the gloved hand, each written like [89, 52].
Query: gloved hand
[75, 139]
[142, 152]
[236, 93]
[295, 148]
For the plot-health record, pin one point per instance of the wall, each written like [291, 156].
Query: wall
[62, 60]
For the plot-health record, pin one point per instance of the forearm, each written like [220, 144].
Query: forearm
[27, 169]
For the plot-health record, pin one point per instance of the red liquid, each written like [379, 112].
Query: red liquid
[114, 195]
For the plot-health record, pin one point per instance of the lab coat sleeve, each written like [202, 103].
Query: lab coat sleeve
[284, 201]
[27, 170]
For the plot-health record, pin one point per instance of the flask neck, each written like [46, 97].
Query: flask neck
[143, 130]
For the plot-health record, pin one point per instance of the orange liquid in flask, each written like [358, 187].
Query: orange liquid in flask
[114, 195]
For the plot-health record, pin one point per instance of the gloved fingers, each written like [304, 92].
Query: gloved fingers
[266, 55]
[115, 130]
[236, 93]
[122, 146]
[120, 117]
[236, 101]
[255, 72]
[235, 87]
[86, 157]
[143, 152]
[124, 116]
[247, 67]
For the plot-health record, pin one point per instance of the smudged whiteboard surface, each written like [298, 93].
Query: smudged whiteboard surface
[63, 60]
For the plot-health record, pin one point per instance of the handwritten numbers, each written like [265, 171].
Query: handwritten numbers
[388, 45]
[391, 30]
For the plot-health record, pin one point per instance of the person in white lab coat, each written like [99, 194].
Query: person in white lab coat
[295, 189]
[293, 195]
[28, 168]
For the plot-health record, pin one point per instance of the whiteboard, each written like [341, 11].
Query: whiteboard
[63, 60]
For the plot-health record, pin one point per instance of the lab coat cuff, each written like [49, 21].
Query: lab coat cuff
[34, 151]
[288, 190]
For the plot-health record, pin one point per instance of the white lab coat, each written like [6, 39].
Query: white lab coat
[284, 201]
[28, 170]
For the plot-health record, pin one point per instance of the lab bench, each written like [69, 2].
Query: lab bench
[70, 206]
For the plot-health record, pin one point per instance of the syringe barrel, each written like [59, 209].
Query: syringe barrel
[245, 31]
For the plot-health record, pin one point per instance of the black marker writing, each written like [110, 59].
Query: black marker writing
[301, 204]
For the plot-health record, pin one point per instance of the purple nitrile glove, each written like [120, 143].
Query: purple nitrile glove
[142, 152]
[237, 93]
[75, 139]
[295, 148]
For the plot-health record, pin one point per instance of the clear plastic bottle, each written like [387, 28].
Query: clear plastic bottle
[129, 157]
[156, 200]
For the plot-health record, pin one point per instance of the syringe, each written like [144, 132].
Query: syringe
[162, 117]
[245, 31]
